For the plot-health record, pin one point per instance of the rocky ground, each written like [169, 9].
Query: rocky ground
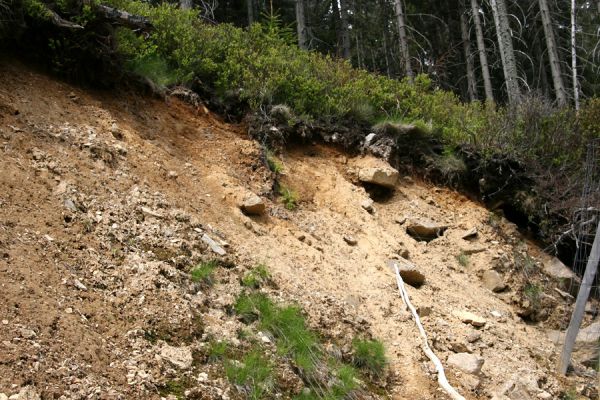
[108, 200]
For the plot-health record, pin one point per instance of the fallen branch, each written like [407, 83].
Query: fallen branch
[442, 380]
[61, 22]
[124, 18]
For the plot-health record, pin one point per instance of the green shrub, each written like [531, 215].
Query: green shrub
[463, 259]
[257, 277]
[533, 292]
[288, 197]
[254, 371]
[203, 272]
[369, 355]
[217, 350]
[273, 162]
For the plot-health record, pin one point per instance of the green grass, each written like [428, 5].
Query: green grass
[533, 293]
[257, 277]
[203, 272]
[369, 355]
[173, 387]
[254, 372]
[288, 197]
[217, 350]
[463, 259]
[273, 162]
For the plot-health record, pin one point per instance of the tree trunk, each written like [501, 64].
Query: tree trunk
[250, 6]
[385, 51]
[471, 85]
[301, 24]
[186, 4]
[574, 54]
[402, 37]
[485, 69]
[557, 80]
[344, 29]
[507, 52]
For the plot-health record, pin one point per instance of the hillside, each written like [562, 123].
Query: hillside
[105, 198]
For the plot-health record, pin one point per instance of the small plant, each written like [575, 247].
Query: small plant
[570, 394]
[463, 259]
[369, 355]
[257, 277]
[254, 372]
[289, 197]
[203, 272]
[533, 293]
[217, 350]
[173, 387]
[273, 162]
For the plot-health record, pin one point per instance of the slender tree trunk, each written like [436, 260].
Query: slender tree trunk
[402, 37]
[186, 4]
[301, 24]
[385, 51]
[507, 52]
[471, 85]
[557, 80]
[345, 32]
[485, 69]
[358, 55]
[250, 6]
[574, 53]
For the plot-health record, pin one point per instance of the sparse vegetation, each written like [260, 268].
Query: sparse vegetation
[203, 272]
[273, 162]
[256, 277]
[533, 292]
[369, 355]
[288, 197]
[217, 350]
[253, 372]
[463, 259]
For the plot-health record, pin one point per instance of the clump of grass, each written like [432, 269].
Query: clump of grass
[533, 293]
[273, 162]
[257, 277]
[254, 372]
[204, 272]
[369, 355]
[288, 197]
[173, 387]
[463, 259]
[217, 350]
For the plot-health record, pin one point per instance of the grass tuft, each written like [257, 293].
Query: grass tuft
[257, 277]
[203, 272]
[463, 259]
[369, 355]
[289, 197]
[254, 372]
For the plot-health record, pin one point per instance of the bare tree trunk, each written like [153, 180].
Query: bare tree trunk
[250, 6]
[301, 24]
[471, 85]
[186, 4]
[574, 53]
[507, 52]
[402, 37]
[557, 80]
[358, 55]
[485, 69]
[345, 33]
[385, 51]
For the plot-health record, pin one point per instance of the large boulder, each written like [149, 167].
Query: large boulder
[567, 280]
[586, 344]
[493, 281]
[381, 176]
[425, 229]
[253, 205]
[469, 363]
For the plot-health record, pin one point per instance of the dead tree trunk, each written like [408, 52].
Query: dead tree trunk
[574, 53]
[250, 11]
[301, 24]
[403, 39]
[344, 29]
[507, 52]
[186, 4]
[485, 69]
[557, 80]
[471, 85]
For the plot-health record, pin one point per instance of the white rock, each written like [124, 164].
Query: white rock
[469, 363]
[202, 377]
[214, 246]
[180, 357]
[27, 333]
[470, 318]
[566, 278]
[382, 176]
[425, 229]
[368, 206]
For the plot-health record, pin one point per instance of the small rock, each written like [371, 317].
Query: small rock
[202, 377]
[172, 175]
[409, 272]
[544, 395]
[368, 206]
[460, 347]
[27, 333]
[3, 396]
[424, 311]
[180, 357]
[425, 229]
[26, 393]
[469, 363]
[151, 213]
[350, 240]
[253, 205]
[70, 205]
[214, 246]
[400, 220]
[473, 337]
[496, 314]
[37, 154]
[4, 322]
[470, 234]
[567, 296]
[493, 281]
[77, 283]
[380, 176]
[429, 200]
[470, 318]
